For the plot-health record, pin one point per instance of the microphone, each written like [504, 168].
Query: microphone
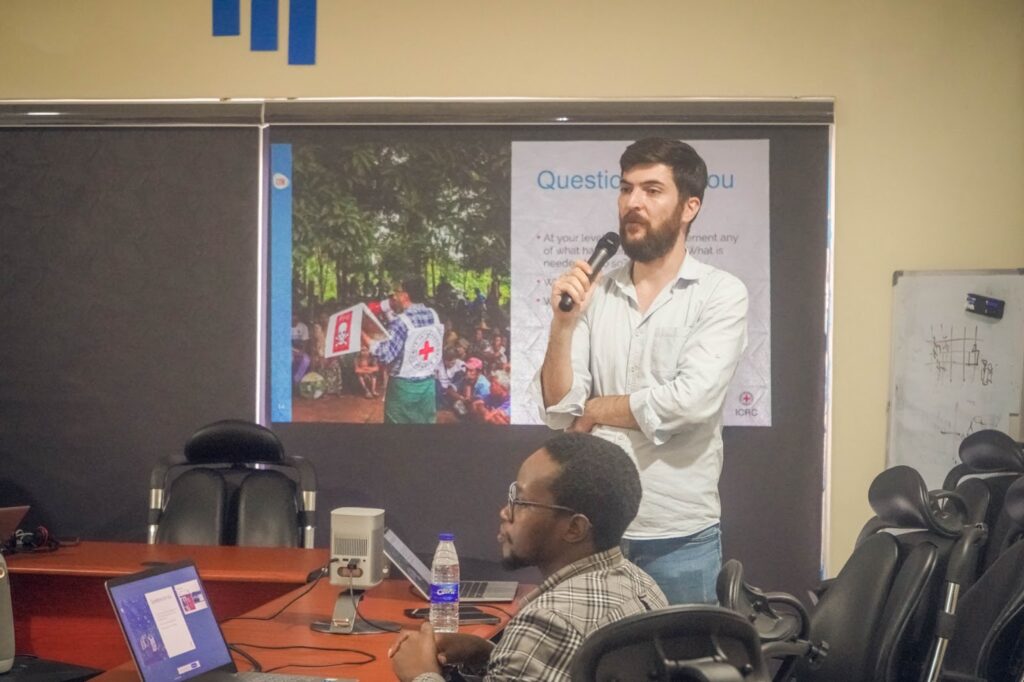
[606, 247]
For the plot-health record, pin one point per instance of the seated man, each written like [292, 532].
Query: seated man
[566, 513]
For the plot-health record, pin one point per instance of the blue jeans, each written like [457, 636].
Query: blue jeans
[685, 569]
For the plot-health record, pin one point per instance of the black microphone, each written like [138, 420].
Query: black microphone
[606, 247]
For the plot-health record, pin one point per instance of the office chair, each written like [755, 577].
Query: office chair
[689, 643]
[987, 636]
[991, 461]
[876, 621]
[234, 485]
[781, 620]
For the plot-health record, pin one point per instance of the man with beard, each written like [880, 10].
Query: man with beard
[560, 518]
[644, 359]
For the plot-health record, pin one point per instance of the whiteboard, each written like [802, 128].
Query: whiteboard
[952, 371]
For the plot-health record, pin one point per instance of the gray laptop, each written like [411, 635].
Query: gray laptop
[171, 631]
[10, 517]
[419, 575]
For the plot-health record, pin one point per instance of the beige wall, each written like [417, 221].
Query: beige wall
[929, 106]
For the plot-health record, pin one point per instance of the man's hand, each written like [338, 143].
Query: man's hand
[582, 424]
[365, 338]
[575, 282]
[460, 649]
[610, 410]
[414, 653]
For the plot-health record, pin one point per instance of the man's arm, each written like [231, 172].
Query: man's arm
[538, 645]
[388, 349]
[419, 655]
[556, 374]
[709, 360]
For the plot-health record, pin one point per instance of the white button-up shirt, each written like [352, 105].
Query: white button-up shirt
[675, 362]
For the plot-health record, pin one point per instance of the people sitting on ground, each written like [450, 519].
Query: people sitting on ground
[496, 407]
[565, 514]
[449, 377]
[497, 355]
[475, 386]
[479, 346]
[300, 343]
[368, 372]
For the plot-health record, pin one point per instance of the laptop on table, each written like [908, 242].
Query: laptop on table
[172, 632]
[419, 575]
[10, 517]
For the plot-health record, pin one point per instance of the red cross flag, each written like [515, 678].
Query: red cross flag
[345, 328]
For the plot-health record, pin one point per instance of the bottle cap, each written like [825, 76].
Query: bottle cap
[446, 537]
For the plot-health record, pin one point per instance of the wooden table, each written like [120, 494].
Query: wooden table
[345, 656]
[61, 609]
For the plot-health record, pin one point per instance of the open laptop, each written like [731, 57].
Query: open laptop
[171, 630]
[10, 517]
[419, 575]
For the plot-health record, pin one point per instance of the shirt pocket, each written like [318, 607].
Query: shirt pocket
[666, 352]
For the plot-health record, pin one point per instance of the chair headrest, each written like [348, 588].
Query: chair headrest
[901, 499]
[233, 441]
[991, 450]
[1013, 503]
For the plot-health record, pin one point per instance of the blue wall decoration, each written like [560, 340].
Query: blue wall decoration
[302, 32]
[226, 17]
[263, 26]
[263, 30]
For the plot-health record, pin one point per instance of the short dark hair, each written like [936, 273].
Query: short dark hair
[598, 480]
[416, 287]
[688, 170]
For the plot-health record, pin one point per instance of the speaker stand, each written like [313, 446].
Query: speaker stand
[347, 621]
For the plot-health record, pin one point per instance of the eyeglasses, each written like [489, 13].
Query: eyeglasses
[513, 500]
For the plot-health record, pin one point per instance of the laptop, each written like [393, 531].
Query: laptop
[10, 517]
[419, 575]
[172, 632]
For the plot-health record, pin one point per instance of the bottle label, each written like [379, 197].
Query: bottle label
[444, 593]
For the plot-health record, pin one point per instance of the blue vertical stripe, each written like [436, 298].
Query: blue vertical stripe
[302, 32]
[226, 17]
[263, 37]
[280, 283]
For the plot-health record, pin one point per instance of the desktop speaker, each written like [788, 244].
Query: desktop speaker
[6, 620]
[357, 547]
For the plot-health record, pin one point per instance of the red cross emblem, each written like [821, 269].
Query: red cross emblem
[426, 350]
[746, 398]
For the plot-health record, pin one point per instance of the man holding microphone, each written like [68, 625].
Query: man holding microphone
[643, 358]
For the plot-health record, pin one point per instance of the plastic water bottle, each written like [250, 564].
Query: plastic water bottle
[444, 586]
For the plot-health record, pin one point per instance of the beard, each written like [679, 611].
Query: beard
[656, 240]
[513, 562]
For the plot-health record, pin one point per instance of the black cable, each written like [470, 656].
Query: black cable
[256, 667]
[355, 608]
[370, 658]
[323, 572]
[496, 608]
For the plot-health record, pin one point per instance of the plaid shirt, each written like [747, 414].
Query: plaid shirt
[554, 619]
[390, 350]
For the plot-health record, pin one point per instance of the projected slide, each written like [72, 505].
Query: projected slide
[409, 279]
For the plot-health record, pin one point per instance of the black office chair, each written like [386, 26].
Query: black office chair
[987, 636]
[781, 620]
[690, 643]
[878, 618]
[234, 485]
[990, 461]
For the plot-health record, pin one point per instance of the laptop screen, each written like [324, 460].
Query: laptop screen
[408, 563]
[167, 620]
[10, 517]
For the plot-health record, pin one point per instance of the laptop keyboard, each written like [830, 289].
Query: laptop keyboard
[472, 589]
